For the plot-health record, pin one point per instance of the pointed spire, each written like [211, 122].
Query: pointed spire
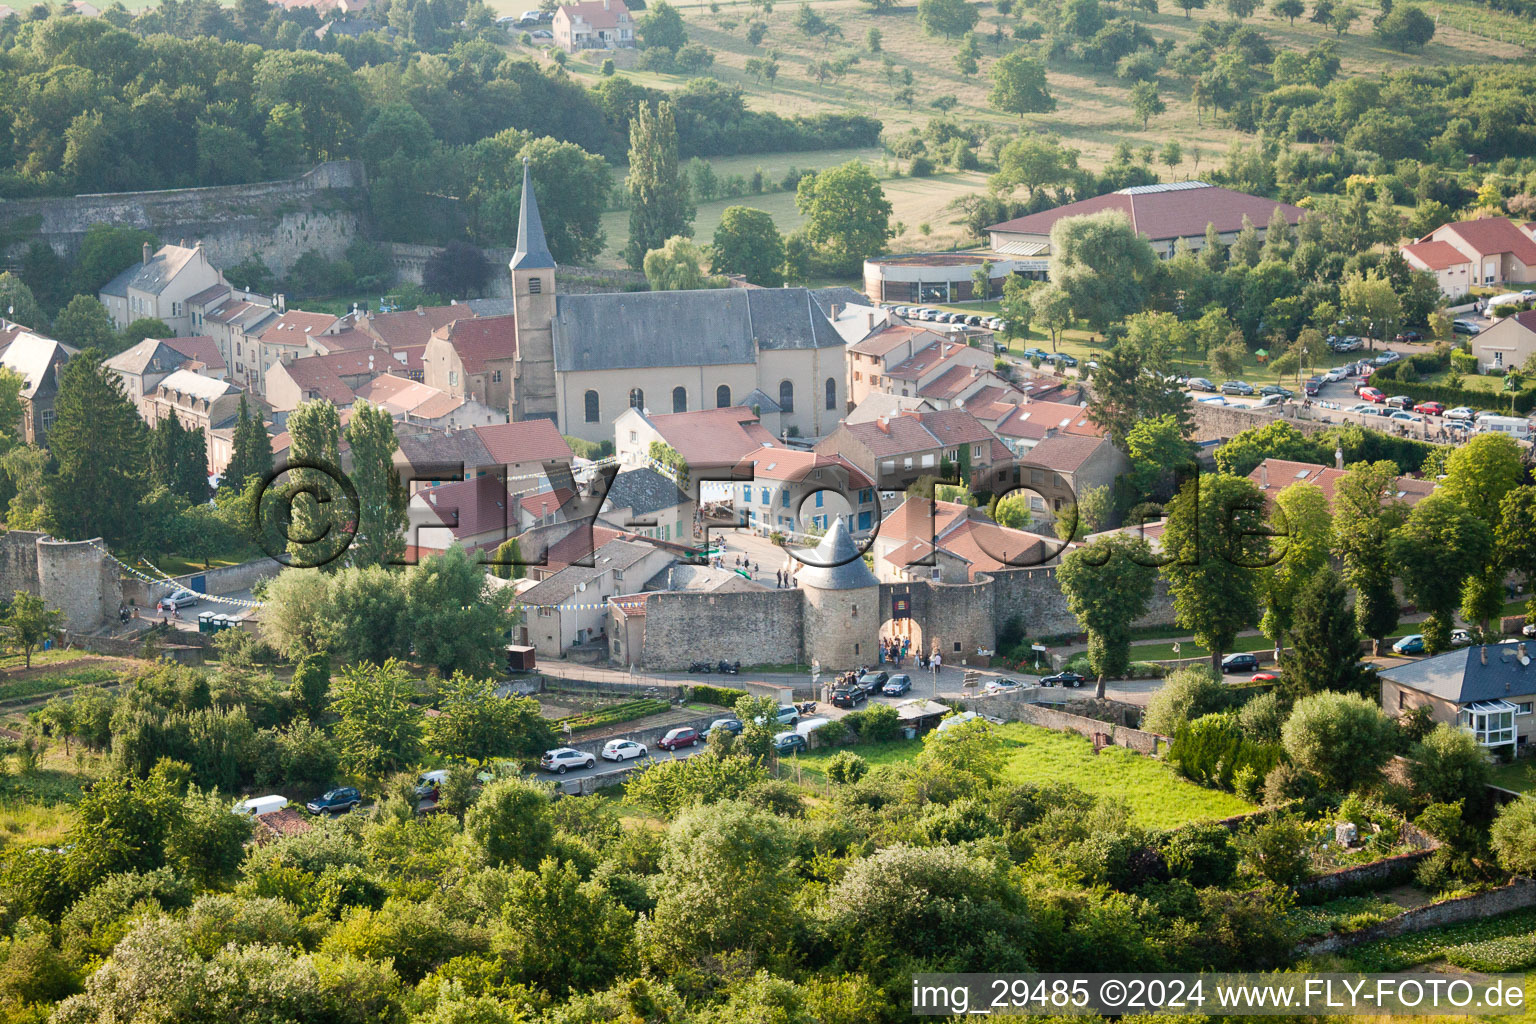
[532, 252]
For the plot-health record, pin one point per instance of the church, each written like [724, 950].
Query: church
[581, 360]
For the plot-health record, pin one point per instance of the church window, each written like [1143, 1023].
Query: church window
[592, 411]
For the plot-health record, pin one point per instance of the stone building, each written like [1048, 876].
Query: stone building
[38, 360]
[160, 286]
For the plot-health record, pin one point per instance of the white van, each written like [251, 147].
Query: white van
[1516, 427]
[256, 806]
[1507, 299]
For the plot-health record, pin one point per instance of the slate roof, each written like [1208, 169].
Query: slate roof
[151, 277]
[682, 576]
[818, 570]
[37, 359]
[1462, 678]
[195, 385]
[534, 440]
[561, 587]
[149, 356]
[643, 491]
[705, 327]
[437, 451]
[1163, 213]
[532, 252]
[208, 295]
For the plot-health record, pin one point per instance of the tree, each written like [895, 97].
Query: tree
[1479, 474]
[1019, 85]
[1129, 385]
[381, 498]
[459, 270]
[1190, 5]
[1302, 518]
[660, 205]
[318, 522]
[1107, 585]
[511, 824]
[1214, 542]
[311, 685]
[1449, 765]
[206, 842]
[1053, 311]
[1343, 17]
[178, 460]
[1105, 268]
[84, 323]
[847, 217]
[1017, 311]
[456, 621]
[1145, 102]
[1290, 10]
[144, 327]
[1158, 450]
[18, 305]
[474, 722]
[749, 244]
[968, 59]
[560, 933]
[676, 266]
[1241, 9]
[948, 18]
[1438, 546]
[1341, 738]
[1366, 511]
[27, 622]
[380, 729]
[1513, 837]
[1326, 641]
[98, 442]
[1227, 358]
[250, 453]
[1515, 539]
[1034, 161]
[1406, 28]
[662, 28]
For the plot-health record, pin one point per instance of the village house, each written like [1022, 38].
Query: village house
[38, 360]
[1496, 250]
[870, 358]
[143, 366]
[160, 286]
[234, 320]
[948, 542]
[1274, 475]
[644, 502]
[1507, 345]
[1057, 471]
[1486, 689]
[895, 451]
[477, 514]
[288, 338]
[473, 358]
[414, 402]
[203, 404]
[570, 608]
[1024, 425]
[594, 25]
[707, 439]
[793, 492]
[1453, 269]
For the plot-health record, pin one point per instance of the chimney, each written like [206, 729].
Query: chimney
[1264, 476]
[837, 307]
[1483, 650]
[870, 318]
[883, 426]
[147, 253]
[1338, 458]
[282, 303]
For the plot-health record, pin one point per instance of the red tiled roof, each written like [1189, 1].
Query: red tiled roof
[883, 341]
[199, 348]
[1274, 475]
[524, 441]
[792, 465]
[295, 326]
[954, 426]
[952, 381]
[713, 437]
[1033, 420]
[471, 507]
[576, 544]
[965, 533]
[413, 326]
[317, 378]
[1160, 215]
[481, 340]
[920, 362]
[1064, 453]
[1491, 236]
[542, 503]
[1436, 255]
[597, 13]
[892, 435]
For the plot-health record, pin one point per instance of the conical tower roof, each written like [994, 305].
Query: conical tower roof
[849, 571]
[532, 251]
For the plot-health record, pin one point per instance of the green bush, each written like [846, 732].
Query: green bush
[832, 732]
[845, 767]
[720, 696]
[627, 711]
[1212, 749]
[877, 723]
[1447, 394]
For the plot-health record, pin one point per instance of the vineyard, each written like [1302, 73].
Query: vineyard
[613, 714]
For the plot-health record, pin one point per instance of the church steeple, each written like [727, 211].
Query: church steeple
[532, 251]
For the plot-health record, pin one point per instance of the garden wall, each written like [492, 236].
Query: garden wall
[1016, 709]
[1518, 895]
[1378, 874]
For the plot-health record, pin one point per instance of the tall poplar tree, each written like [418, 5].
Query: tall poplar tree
[178, 460]
[1365, 512]
[319, 510]
[381, 498]
[100, 445]
[659, 202]
[251, 454]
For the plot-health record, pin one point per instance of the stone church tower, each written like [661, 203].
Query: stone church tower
[533, 304]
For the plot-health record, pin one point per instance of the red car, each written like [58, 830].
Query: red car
[1373, 394]
[1431, 408]
[1264, 677]
[678, 738]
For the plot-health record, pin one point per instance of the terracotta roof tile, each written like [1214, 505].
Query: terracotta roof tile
[1436, 255]
[713, 437]
[1163, 214]
[481, 340]
[524, 441]
[1493, 235]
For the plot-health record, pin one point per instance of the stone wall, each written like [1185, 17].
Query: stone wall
[230, 579]
[76, 578]
[1518, 895]
[324, 209]
[753, 627]
[1213, 421]
[1033, 596]
[1014, 708]
[18, 562]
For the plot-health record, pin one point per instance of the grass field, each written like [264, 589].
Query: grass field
[1157, 796]
[1517, 775]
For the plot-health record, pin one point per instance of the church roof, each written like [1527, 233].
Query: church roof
[705, 327]
[835, 564]
[532, 251]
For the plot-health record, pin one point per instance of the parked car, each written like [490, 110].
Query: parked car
[1460, 638]
[562, 759]
[730, 725]
[1409, 336]
[1062, 359]
[872, 681]
[542, 33]
[623, 750]
[1312, 386]
[1036, 353]
[1399, 401]
[1236, 387]
[1461, 412]
[1373, 395]
[1200, 384]
[1465, 327]
[897, 685]
[1402, 416]
[676, 739]
[789, 743]
[973, 321]
[335, 801]
[848, 696]
[1338, 373]
[1529, 630]
[178, 599]
[1241, 662]
[787, 715]
[1430, 408]
[1388, 357]
[1349, 344]
[1269, 400]
[1264, 677]
[1002, 686]
[1063, 678]
[1276, 389]
[428, 783]
[1213, 400]
[1411, 644]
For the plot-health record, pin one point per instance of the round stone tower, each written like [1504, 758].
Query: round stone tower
[842, 604]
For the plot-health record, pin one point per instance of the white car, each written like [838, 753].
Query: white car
[1461, 412]
[623, 750]
[1336, 374]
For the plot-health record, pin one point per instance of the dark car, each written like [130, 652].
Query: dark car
[788, 743]
[1036, 353]
[1067, 678]
[730, 725]
[1062, 359]
[898, 685]
[1240, 663]
[336, 801]
[871, 682]
[848, 696]
[1276, 389]
[684, 737]
[1313, 385]
[1409, 336]
[1200, 384]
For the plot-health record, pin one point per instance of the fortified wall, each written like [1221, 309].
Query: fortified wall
[323, 209]
[72, 576]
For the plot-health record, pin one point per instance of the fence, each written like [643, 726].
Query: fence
[1518, 895]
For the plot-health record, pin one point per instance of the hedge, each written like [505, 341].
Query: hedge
[720, 696]
[627, 711]
[1449, 394]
